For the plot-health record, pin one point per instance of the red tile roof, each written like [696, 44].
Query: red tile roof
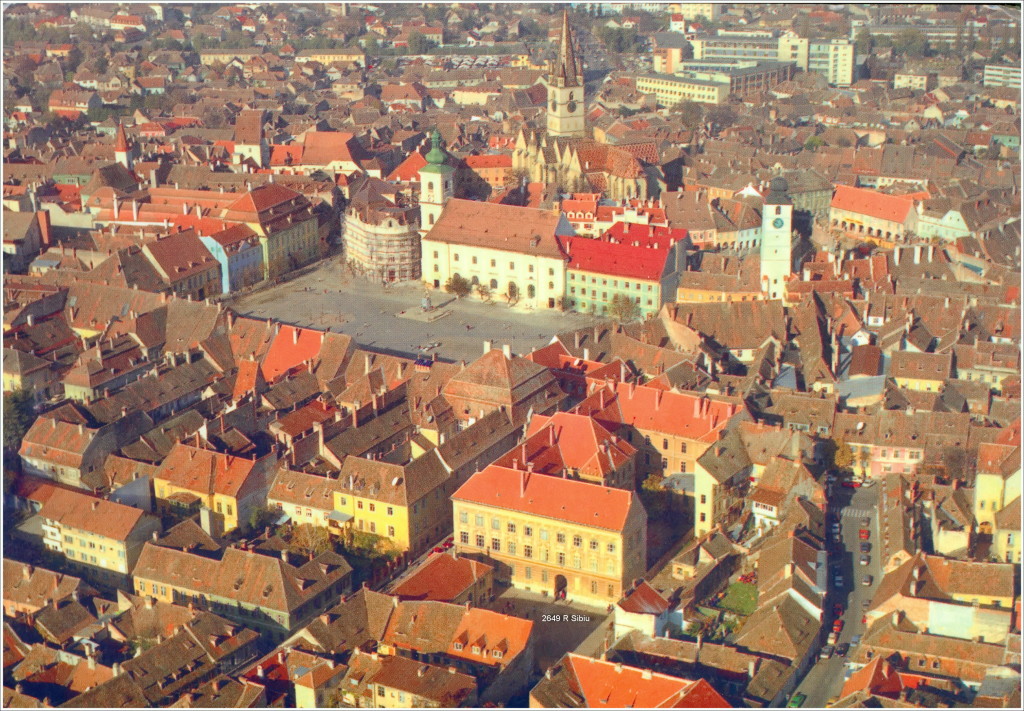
[604, 684]
[291, 348]
[551, 497]
[442, 578]
[636, 251]
[893, 208]
[97, 516]
[645, 600]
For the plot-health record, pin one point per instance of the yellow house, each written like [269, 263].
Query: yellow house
[97, 537]
[559, 537]
[514, 252]
[230, 487]
[924, 372]
[997, 487]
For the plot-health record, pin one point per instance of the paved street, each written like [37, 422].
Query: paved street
[825, 679]
[379, 317]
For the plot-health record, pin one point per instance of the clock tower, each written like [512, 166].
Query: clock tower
[776, 240]
[565, 89]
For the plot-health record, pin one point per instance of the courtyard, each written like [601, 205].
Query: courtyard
[390, 318]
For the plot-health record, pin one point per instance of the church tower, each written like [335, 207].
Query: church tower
[776, 240]
[123, 153]
[437, 183]
[565, 89]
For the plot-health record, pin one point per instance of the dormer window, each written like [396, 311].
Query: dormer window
[496, 654]
[458, 646]
[476, 649]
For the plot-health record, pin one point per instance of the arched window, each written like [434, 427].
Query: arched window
[494, 283]
[474, 281]
[431, 218]
[531, 291]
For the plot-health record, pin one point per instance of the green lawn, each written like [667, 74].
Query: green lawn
[740, 598]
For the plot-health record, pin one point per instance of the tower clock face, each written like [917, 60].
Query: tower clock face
[572, 107]
[777, 223]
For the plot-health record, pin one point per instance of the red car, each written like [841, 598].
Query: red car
[852, 484]
[864, 534]
[837, 610]
[837, 626]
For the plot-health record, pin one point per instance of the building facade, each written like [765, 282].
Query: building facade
[381, 232]
[776, 240]
[519, 522]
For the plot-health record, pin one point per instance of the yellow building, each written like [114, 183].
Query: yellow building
[515, 252]
[670, 89]
[923, 372]
[997, 487]
[560, 537]
[329, 56]
[231, 487]
[101, 539]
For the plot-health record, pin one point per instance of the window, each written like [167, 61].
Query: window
[495, 524]
[380, 691]
[474, 260]
[494, 262]
[463, 517]
[359, 504]
[479, 540]
[527, 530]
[543, 576]
[511, 265]
[391, 531]
[593, 587]
[511, 545]
[703, 518]
[511, 527]
[703, 498]
[683, 448]
[435, 254]
[561, 558]
[560, 537]
[531, 269]
[527, 552]
[577, 541]
[495, 544]
[373, 527]
[543, 534]
[219, 508]
[528, 572]
[593, 545]
[455, 257]
[611, 547]
[458, 646]
[391, 511]
[463, 536]
[373, 507]
[479, 519]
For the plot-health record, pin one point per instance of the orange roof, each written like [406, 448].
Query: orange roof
[409, 169]
[605, 684]
[291, 348]
[490, 630]
[442, 578]
[503, 160]
[205, 472]
[97, 516]
[551, 497]
[286, 155]
[892, 208]
[645, 600]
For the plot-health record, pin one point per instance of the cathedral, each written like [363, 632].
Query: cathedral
[563, 155]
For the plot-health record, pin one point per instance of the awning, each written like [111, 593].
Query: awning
[340, 517]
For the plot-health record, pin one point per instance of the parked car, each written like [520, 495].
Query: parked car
[865, 522]
[838, 580]
[837, 610]
[833, 638]
[835, 528]
[852, 484]
[867, 580]
[826, 651]
[865, 605]
[797, 701]
[855, 640]
[865, 547]
[864, 534]
[842, 649]
[837, 626]
[865, 559]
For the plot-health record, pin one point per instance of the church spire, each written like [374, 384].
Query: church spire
[121, 142]
[568, 71]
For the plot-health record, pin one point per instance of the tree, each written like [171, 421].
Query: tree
[690, 113]
[261, 517]
[842, 455]
[457, 285]
[515, 177]
[310, 540]
[418, 44]
[484, 292]
[960, 463]
[623, 309]
[19, 413]
[813, 143]
[863, 42]
[912, 43]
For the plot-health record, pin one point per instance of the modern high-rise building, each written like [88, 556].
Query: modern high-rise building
[833, 59]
